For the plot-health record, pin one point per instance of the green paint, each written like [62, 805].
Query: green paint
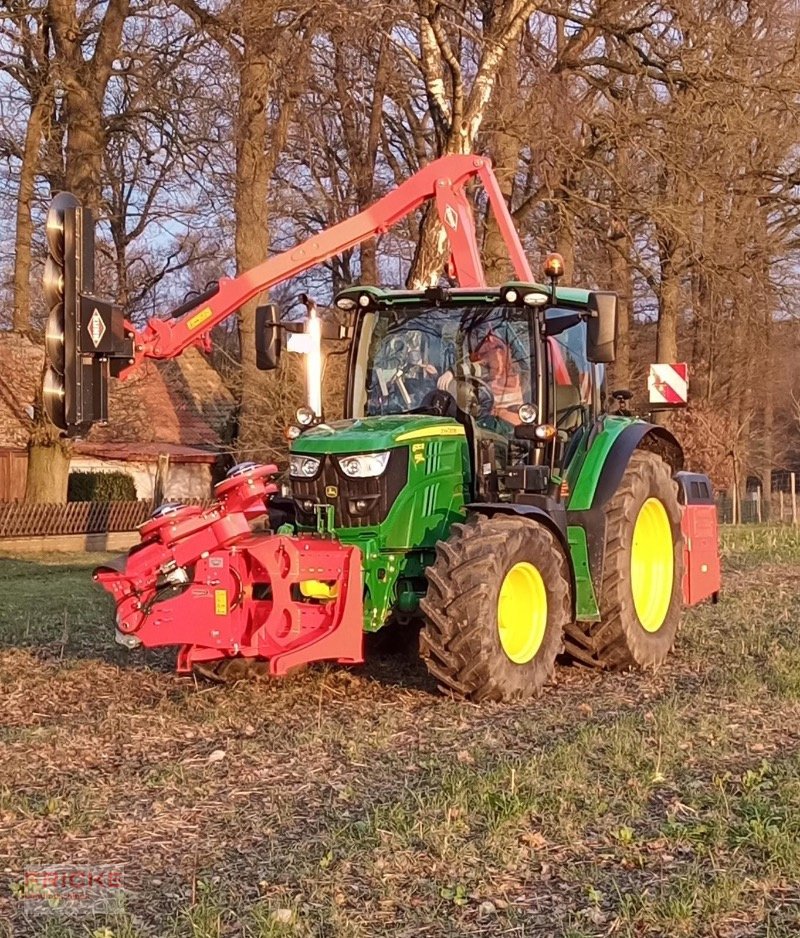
[395, 553]
[324, 515]
[585, 478]
[586, 608]
[371, 434]
[569, 296]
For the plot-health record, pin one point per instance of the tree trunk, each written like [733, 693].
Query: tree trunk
[458, 120]
[496, 262]
[668, 310]
[430, 254]
[85, 144]
[768, 441]
[369, 262]
[252, 234]
[40, 110]
[85, 82]
[48, 466]
[565, 237]
[621, 282]
[503, 148]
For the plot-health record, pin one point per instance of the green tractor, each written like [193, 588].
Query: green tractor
[488, 489]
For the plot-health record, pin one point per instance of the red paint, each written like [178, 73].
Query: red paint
[242, 596]
[702, 576]
[443, 180]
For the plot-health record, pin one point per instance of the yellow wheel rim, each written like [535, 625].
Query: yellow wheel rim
[522, 612]
[652, 564]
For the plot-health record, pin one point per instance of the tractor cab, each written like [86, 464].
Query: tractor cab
[512, 367]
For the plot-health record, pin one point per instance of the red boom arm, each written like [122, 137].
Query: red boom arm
[442, 180]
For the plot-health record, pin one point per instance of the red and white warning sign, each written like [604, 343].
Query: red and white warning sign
[96, 327]
[668, 384]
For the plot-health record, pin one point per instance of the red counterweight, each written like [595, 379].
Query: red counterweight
[203, 580]
[702, 576]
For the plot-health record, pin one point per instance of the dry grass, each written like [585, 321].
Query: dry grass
[356, 803]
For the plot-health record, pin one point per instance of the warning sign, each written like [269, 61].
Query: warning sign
[668, 384]
[96, 327]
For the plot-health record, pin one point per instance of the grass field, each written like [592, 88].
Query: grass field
[360, 802]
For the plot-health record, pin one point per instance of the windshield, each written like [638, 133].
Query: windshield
[480, 355]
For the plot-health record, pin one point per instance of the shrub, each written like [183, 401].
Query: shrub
[101, 487]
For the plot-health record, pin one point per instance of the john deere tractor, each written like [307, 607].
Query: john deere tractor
[488, 489]
[482, 482]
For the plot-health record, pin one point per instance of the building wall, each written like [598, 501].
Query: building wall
[188, 480]
[13, 472]
[185, 480]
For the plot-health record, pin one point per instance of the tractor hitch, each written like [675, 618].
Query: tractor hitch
[203, 580]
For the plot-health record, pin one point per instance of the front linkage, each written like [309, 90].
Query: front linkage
[202, 579]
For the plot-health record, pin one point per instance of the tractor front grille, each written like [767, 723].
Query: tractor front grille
[330, 486]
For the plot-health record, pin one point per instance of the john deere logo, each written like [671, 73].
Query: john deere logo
[331, 491]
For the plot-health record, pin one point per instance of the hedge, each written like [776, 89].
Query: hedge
[101, 487]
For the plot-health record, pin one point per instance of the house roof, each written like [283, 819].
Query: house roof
[180, 404]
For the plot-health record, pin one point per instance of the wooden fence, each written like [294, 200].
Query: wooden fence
[19, 519]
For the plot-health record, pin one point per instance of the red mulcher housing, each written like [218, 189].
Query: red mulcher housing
[203, 580]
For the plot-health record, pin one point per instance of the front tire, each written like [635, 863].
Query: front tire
[497, 604]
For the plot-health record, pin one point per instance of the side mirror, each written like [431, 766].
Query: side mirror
[601, 332]
[268, 337]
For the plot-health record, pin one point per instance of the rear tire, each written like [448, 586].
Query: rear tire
[640, 596]
[497, 604]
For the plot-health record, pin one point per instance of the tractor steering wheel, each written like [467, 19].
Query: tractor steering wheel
[482, 393]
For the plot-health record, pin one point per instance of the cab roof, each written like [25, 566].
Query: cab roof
[509, 294]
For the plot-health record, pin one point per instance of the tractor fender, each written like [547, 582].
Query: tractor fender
[646, 436]
[592, 519]
[555, 522]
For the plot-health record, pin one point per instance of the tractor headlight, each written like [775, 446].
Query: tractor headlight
[305, 416]
[303, 467]
[365, 465]
[528, 413]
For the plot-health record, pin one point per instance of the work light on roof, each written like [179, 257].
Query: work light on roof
[535, 299]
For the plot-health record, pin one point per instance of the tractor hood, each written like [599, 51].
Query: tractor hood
[373, 434]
